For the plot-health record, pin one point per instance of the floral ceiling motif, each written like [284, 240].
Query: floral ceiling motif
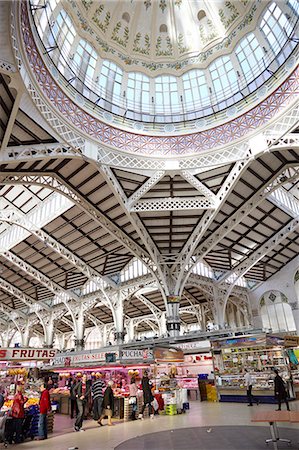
[136, 32]
[182, 145]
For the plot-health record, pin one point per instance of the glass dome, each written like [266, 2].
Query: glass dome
[166, 61]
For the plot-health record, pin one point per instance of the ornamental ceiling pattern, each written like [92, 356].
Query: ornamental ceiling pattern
[162, 34]
[154, 145]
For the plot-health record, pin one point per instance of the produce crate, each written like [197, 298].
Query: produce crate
[170, 410]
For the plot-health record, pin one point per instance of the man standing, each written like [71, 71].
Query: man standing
[44, 408]
[81, 391]
[248, 384]
[97, 390]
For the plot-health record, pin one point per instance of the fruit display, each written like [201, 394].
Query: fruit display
[60, 391]
[18, 371]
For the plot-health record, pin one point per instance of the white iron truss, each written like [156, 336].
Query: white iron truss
[53, 182]
[258, 254]
[277, 180]
[172, 204]
[147, 186]
[178, 270]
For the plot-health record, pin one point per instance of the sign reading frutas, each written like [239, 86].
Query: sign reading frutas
[26, 354]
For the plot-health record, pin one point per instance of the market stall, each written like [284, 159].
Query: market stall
[259, 354]
[19, 366]
[291, 344]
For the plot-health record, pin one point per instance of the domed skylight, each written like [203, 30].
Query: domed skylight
[165, 61]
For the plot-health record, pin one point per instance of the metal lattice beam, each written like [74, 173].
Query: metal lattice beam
[277, 180]
[147, 186]
[197, 234]
[172, 204]
[54, 182]
[241, 269]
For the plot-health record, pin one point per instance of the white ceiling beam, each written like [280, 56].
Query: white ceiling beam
[199, 186]
[152, 251]
[37, 151]
[147, 186]
[285, 201]
[11, 120]
[14, 216]
[54, 182]
[48, 210]
[172, 204]
[243, 267]
[284, 176]
[208, 217]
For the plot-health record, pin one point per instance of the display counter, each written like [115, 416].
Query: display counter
[259, 354]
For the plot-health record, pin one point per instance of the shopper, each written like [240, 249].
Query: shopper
[3, 395]
[133, 389]
[108, 404]
[73, 400]
[147, 396]
[280, 391]
[97, 392]
[18, 414]
[82, 391]
[44, 408]
[248, 383]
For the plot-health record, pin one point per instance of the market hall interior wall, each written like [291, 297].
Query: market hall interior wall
[284, 282]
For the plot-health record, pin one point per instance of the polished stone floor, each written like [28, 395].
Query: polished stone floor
[201, 414]
[215, 438]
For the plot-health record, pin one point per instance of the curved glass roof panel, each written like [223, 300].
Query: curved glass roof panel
[166, 97]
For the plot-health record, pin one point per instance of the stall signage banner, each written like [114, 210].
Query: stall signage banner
[168, 354]
[26, 354]
[239, 342]
[291, 341]
[144, 354]
[194, 345]
[72, 359]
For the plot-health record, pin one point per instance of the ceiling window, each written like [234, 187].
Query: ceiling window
[166, 94]
[223, 77]
[110, 81]
[275, 27]
[294, 4]
[250, 56]
[138, 92]
[195, 89]
[62, 34]
[85, 59]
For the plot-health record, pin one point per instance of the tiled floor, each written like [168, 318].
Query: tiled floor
[203, 414]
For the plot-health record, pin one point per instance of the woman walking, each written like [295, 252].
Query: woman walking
[280, 391]
[108, 404]
[133, 389]
[147, 396]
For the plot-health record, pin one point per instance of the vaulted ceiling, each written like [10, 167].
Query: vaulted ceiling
[98, 227]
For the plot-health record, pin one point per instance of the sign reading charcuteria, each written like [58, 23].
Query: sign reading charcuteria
[26, 354]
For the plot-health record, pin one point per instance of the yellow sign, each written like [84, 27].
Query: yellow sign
[291, 341]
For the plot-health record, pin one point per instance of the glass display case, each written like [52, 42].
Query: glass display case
[259, 355]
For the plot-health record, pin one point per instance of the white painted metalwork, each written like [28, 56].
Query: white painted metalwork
[190, 246]
[277, 180]
[51, 181]
[263, 250]
[200, 187]
[147, 186]
[172, 204]
[285, 201]
[134, 269]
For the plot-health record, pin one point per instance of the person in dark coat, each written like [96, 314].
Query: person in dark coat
[280, 392]
[147, 396]
[73, 400]
[108, 404]
[82, 392]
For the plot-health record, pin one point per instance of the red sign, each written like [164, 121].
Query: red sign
[26, 354]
